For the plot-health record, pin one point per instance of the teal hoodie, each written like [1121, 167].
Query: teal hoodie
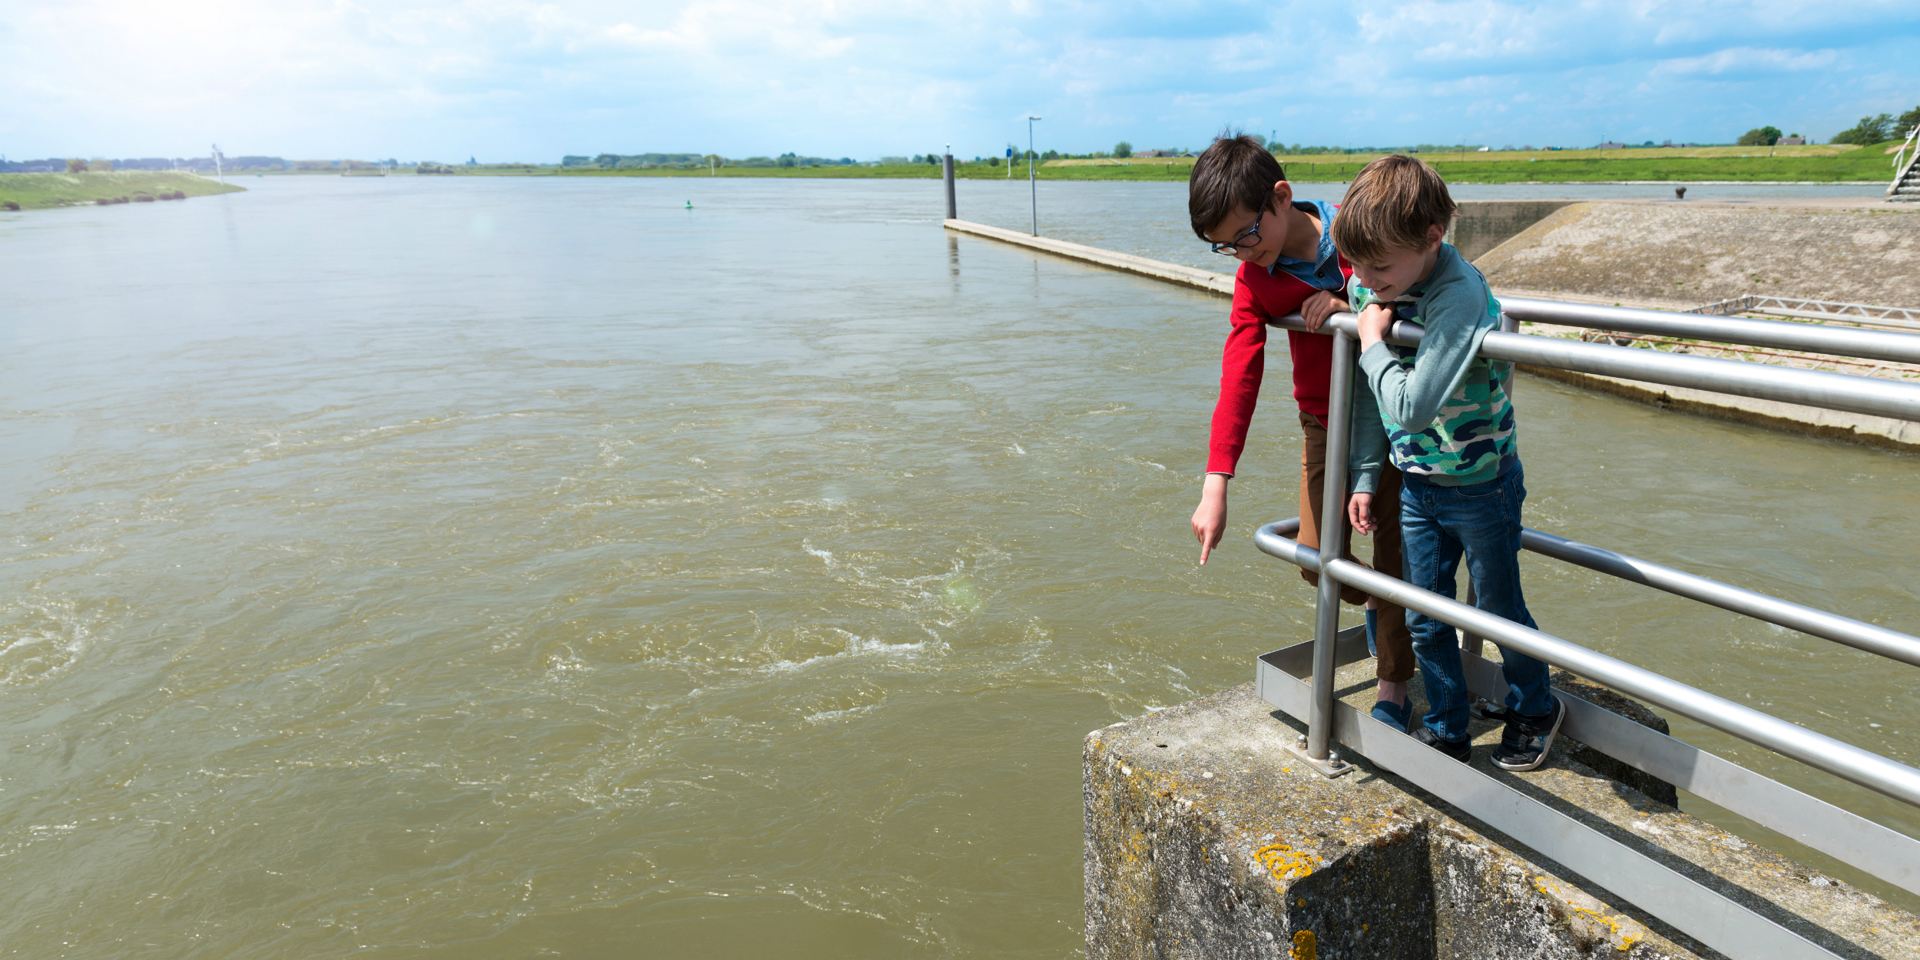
[1440, 411]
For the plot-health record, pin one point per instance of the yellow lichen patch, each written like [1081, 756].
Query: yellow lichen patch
[1284, 862]
[1303, 946]
[1593, 921]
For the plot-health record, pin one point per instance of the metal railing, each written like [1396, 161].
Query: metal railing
[1299, 679]
[1904, 162]
[1898, 318]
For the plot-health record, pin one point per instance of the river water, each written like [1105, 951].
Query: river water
[511, 568]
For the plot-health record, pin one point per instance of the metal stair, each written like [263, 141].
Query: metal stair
[1905, 187]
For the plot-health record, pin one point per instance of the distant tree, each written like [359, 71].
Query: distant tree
[1123, 149]
[76, 166]
[1868, 130]
[789, 160]
[1906, 123]
[933, 158]
[1759, 137]
[100, 166]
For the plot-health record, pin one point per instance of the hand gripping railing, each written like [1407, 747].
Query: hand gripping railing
[1850, 838]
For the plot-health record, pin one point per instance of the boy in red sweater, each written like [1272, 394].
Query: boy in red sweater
[1240, 202]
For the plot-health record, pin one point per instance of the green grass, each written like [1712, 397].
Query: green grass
[40, 191]
[1852, 166]
[1869, 164]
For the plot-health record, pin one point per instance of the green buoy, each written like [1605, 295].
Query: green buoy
[689, 204]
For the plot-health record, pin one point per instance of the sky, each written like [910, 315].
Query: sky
[514, 80]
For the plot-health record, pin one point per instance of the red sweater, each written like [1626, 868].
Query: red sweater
[1257, 296]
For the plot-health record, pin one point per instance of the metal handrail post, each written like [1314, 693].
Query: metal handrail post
[1333, 526]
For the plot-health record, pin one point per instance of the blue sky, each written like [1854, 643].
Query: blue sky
[513, 80]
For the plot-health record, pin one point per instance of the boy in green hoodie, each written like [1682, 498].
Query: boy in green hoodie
[1441, 413]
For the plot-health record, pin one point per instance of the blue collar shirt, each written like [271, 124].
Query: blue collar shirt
[1323, 271]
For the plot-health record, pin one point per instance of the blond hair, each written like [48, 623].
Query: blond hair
[1392, 204]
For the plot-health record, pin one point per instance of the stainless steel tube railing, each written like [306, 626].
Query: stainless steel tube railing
[1827, 390]
[1276, 539]
[1837, 341]
[1857, 634]
[1870, 770]
[1812, 388]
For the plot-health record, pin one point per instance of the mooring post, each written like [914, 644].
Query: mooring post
[953, 212]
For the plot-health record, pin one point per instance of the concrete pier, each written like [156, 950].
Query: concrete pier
[1205, 837]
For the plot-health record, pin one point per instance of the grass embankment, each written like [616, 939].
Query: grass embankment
[38, 191]
[1819, 163]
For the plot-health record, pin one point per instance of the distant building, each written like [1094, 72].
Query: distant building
[1790, 142]
[1610, 145]
[1159, 153]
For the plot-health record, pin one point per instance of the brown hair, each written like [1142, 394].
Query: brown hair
[1393, 202]
[1236, 171]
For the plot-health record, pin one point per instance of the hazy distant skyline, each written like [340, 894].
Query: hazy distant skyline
[507, 80]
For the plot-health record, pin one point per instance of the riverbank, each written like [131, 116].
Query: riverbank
[1808, 164]
[1678, 170]
[41, 191]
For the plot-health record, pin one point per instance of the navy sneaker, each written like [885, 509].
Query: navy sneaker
[1394, 715]
[1526, 741]
[1458, 749]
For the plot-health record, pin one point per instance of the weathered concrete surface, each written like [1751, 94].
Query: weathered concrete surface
[1706, 253]
[1215, 283]
[1481, 225]
[1206, 838]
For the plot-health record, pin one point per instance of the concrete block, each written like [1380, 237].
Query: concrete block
[1205, 837]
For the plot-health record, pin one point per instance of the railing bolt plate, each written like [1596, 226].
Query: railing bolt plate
[1331, 767]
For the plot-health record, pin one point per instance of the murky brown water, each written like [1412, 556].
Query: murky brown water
[521, 568]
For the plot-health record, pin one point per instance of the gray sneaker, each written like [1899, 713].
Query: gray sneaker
[1526, 741]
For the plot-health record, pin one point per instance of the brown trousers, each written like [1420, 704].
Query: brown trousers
[1395, 663]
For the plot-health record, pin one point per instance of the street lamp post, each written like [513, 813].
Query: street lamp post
[1033, 190]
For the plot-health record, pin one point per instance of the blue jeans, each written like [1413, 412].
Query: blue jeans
[1437, 525]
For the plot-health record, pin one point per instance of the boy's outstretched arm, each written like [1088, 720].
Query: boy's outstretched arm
[1210, 518]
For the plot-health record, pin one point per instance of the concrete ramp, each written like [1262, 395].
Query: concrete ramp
[1692, 252]
[1481, 225]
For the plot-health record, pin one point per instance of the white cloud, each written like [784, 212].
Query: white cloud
[512, 79]
[1746, 60]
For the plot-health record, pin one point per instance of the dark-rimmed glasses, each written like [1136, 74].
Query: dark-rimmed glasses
[1249, 237]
